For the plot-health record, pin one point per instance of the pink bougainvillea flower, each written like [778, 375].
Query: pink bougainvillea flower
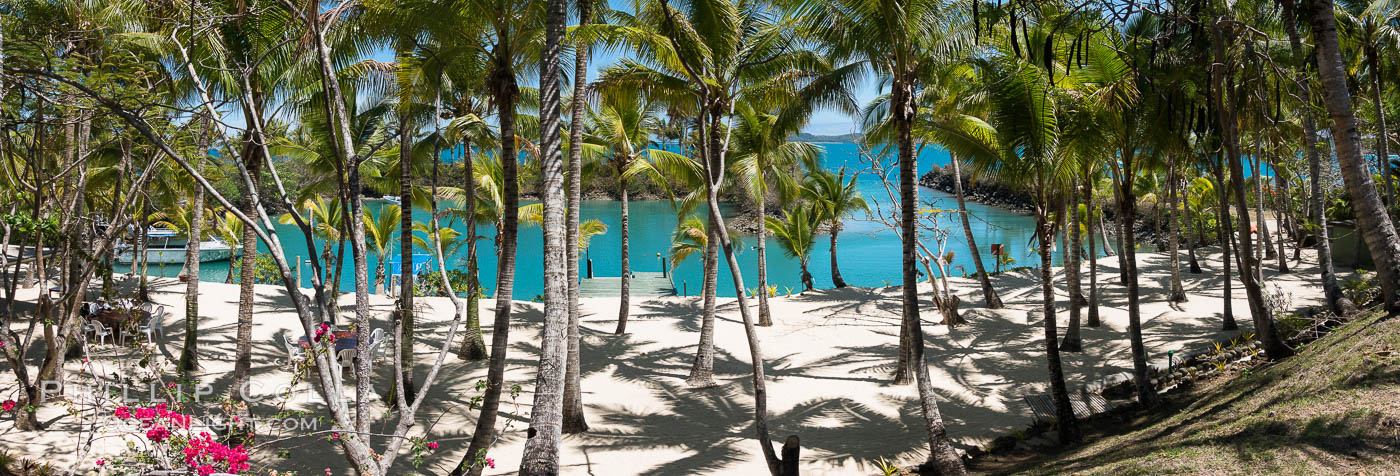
[433, 445]
[8, 405]
[158, 434]
[491, 462]
[122, 412]
[99, 462]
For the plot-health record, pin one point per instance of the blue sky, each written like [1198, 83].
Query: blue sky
[823, 122]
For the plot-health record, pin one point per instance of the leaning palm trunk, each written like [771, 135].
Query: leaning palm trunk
[989, 293]
[1336, 300]
[505, 91]
[702, 368]
[541, 455]
[574, 421]
[1376, 226]
[473, 346]
[1178, 294]
[626, 266]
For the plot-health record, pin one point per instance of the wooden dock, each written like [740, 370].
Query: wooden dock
[644, 284]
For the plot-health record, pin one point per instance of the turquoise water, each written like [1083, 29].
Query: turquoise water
[868, 252]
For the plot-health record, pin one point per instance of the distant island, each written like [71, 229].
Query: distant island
[805, 137]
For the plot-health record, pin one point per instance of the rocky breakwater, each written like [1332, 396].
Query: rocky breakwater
[985, 191]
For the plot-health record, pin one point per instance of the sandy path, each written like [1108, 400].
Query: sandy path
[829, 355]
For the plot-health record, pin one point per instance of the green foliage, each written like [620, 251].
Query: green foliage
[429, 283]
[265, 270]
[1361, 288]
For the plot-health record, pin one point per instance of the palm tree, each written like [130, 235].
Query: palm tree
[895, 37]
[834, 198]
[625, 123]
[1336, 300]
[547, 417]
[1375, 224]
[574, 421]
[1371, 28]
[763, 155]
[513, 27]
[796, 234]
[379, 228]
[1025, 113]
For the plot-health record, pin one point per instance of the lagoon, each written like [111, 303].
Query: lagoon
[868, 252]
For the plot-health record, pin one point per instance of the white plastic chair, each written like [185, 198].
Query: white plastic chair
[295, 355]
[347, 361]
[155, 326]
[100, 332]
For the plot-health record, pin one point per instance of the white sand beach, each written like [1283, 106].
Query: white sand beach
[829, 355]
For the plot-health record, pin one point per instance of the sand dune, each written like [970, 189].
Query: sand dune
[829, 355]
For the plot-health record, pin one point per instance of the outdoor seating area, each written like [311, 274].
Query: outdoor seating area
[344, 343]
[122, 319]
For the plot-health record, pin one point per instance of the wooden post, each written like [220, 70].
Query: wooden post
[791, 448]
[298, 262]
[590, 268]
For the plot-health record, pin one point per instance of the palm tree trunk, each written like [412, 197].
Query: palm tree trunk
[1092, 211]
[835, 270]
[473, 346]
[1223, 229]
[547, 415]
[702, 368]
[1265, 239]
[989, 293]
[1192, 239]
[1072, 342]
[626, 266]
[1376, 226]
[1336, 300]
[941, 455]
[1382, 135]
[505, 91]
[1283, 219]
[243, 353]
[765, 317]
[574, 421]
[806, 276]
[1065, 423]
[1120, 227]
[189, 356]
[405, 312]
[1178, 294]
[1127, 206]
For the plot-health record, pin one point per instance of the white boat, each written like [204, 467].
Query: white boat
[166, 246]
[390, 198]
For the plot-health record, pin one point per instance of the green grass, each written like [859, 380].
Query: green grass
[1333, 408]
